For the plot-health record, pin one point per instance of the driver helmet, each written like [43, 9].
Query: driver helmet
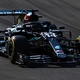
[27, 16]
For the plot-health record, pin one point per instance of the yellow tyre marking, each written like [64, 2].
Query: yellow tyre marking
[78, 39]
[13, 49]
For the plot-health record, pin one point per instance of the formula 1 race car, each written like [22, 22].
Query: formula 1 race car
[33, 41]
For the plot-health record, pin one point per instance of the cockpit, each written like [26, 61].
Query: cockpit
[33, 26]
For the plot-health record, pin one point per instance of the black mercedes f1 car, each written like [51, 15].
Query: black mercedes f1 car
[33, 41]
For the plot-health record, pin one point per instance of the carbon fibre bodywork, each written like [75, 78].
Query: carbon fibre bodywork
[39, 42]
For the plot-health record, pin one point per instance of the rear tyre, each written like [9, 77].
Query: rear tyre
[53, 27]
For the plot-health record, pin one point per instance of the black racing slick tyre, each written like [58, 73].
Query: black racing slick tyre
[11, 51]
[17, 45]
[53, 27]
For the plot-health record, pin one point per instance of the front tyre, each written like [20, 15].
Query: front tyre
[11, 51]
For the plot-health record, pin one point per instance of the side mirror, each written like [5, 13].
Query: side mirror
[1, 31]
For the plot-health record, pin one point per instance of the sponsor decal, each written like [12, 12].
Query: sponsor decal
[59, 51]
[57, 47]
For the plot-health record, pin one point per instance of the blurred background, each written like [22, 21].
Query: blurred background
[60, 12]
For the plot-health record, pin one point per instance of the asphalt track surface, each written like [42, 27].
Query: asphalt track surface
[60, 12]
